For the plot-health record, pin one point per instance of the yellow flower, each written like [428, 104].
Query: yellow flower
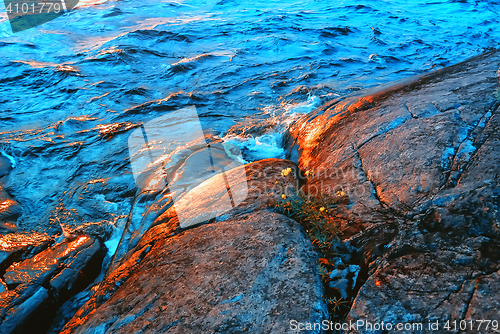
[285, 172]
[309, 173]
[340, 193]
[322, 209]
[276, 181]
[283, 196]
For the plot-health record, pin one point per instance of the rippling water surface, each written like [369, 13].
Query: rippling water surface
[71, 90]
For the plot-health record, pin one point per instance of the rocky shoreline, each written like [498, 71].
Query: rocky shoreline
[419, 163]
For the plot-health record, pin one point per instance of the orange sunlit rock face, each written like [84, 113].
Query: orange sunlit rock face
[4, 205]
[253, 183]
[40, 267]
[108, 130]
[232, 256]
[10, 210]
[10, 242]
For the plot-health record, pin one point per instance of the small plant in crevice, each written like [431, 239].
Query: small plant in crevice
[338, 307]
[318, 216]
[314, 213]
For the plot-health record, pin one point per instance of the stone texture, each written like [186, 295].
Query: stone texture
[419, 162]
[485, 302]
[36, 286]
[418, 287]
[15, 247]
[5, 165]
[257, 181]
[52, 263]
[262, 192]
[27, 309]
[68, 310]
[10, 210]
[254, 274]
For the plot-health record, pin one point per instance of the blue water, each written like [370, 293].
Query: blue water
[71, 89]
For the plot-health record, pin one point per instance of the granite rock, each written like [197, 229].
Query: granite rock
[35, 287]
[10, 210]
[419, 162]
[254, 273]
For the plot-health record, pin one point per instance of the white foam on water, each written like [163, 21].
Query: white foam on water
[10, 157]
[113, 242]
[270, 144]
[266, 146]
[303, 107]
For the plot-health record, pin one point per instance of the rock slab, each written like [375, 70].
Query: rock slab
[36, 286]
[10, 211]
[251, 274]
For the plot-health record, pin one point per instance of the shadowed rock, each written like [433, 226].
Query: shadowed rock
[28, 308]
[39, 284]
[5, 165]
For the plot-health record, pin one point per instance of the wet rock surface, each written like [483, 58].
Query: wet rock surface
[246, 265]
[253, 184]
[28, 308]
[420, 164]
[35, 287]
[253, 274]
[16, 247]
[5, 165]
[10, 210]
[68, 310]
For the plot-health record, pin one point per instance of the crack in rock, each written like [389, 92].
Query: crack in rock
[454, 163]
[366, 176]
